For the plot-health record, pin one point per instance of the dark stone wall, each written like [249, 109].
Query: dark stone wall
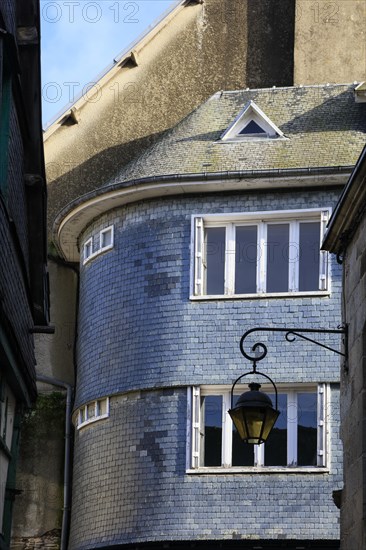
[271, 33]
[219, 45]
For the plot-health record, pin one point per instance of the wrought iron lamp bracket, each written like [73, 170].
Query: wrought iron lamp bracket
[253, 371]
[291, 334]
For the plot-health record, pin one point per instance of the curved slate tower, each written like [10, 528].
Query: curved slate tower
[213, 231]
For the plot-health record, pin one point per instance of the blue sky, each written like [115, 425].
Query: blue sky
[80, 38]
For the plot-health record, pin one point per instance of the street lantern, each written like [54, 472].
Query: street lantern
[254, 415]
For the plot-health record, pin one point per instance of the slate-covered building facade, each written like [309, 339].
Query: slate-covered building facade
[23, 277]
[214, 230]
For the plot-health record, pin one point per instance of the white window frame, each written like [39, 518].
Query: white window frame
[261, 220]
[251, 112]
[194, 426]
[81, 415]
[88, 251]
[88, 245]
[103, 232]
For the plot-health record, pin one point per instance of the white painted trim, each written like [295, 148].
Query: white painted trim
[250, 112]
[261, 220]
[257, 296]
[86, 257]
[101, 248]
[292, 391]
[110, 230]
[189, 429]
[259, 470]
[77, 414]
[71, 225]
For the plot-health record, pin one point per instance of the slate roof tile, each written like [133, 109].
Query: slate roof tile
[323, 125]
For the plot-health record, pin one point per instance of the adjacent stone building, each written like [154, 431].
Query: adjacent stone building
[214, 230]
[346, 237]
[23, 276]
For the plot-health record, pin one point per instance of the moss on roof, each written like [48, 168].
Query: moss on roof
[323, 126]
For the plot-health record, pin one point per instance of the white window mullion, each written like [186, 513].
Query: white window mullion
[259, 451]
[198, 256]
[323, 268]
[322, 433]
[262, 258]
[230, 259]
[294, 256]
[292, 420]
[227, 431]
[196, 426]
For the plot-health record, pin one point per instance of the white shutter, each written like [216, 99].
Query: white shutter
[196, 423]
[323, 267]
[198, 256]
[322, 435]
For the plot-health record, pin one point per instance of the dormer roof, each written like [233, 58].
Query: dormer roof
[252, 123]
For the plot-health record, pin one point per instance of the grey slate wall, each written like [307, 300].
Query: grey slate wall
[130, 484]
[138, 330]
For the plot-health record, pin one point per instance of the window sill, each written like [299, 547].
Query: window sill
[310, 294]
[97, 253]
[259, 470]
[92, 421]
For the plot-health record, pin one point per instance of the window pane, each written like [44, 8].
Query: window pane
[106, 238]
[252, 128]
[307, 429]
[309, 256]
[275, 453]
[212, 429]
[102, 406]
[277, 257]
[215, 260]
[242, 453]
[246, 260]
[91, 411]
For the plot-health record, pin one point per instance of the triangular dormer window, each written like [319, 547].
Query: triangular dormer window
[252, 128]
[251, 124]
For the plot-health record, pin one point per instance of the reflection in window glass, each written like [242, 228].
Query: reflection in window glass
[106, 238]
[215, 260]
[246, 260]
[309, 256]
[242, 453]
[307, 429]
[211, 411]
[277, 257]
[91, 411]
[276, 444]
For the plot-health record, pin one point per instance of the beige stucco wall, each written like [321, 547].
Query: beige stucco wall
[330, 41]
[55, 352]
[353, 397]
[200, 49]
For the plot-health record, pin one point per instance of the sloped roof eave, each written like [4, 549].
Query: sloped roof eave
[85, 208]
[348, 211]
